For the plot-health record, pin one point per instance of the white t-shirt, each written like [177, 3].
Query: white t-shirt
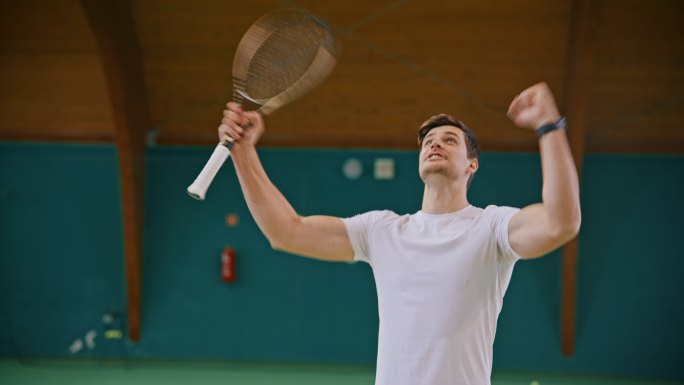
[440, 281]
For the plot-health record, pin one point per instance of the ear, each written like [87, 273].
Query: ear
[473, 166]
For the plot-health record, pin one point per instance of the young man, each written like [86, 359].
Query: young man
[442, 272]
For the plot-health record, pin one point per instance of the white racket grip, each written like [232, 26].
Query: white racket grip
[199, 187]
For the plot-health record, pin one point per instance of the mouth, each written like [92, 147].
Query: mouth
[434, 156]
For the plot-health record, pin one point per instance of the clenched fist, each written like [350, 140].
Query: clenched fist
[534, 107]
[245, 127]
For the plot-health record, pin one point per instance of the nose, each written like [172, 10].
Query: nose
[436, 143]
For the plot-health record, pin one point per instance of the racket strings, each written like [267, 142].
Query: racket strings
[279, 63]
[238, 90]
[279, 58]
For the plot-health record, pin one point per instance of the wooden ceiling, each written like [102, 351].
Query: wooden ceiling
[402, 61]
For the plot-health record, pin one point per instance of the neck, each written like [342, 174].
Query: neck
[442, 198]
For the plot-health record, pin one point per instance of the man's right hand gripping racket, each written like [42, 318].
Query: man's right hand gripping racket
[282, 56]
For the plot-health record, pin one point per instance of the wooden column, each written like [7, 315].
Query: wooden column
[579, 62]
[114, 29]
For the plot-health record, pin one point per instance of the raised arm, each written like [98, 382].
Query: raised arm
[320, 237]
[540, 228]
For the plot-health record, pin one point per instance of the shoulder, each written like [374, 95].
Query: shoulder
[372, 217]
[498, 217]
[493, 212]
[378, 214]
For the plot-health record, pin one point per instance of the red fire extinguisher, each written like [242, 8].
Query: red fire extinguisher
[228, 265]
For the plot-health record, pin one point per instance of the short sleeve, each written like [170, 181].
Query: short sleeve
[499, 217]
[358, 229]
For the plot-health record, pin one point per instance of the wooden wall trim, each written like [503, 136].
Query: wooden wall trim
[577, 75]
[112, 24]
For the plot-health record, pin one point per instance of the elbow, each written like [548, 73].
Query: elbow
[277, 244]
[282, 238]
[569, 226]
[571, 230]
[575, 221]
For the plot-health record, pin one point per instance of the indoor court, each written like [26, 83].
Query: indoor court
[110, 115]
[212, 373]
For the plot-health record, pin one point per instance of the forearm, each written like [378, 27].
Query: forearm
[319, 237]
[539, 228]
[272, 212]
[560, 193]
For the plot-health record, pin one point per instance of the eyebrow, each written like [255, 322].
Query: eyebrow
[432, 133]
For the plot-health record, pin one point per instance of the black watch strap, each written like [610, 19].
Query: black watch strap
[557, 125]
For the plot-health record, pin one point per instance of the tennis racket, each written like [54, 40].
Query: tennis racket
[281, 57]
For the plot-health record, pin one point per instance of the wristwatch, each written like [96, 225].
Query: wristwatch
[557, 125]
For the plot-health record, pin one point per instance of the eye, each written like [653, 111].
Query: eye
[451, 140]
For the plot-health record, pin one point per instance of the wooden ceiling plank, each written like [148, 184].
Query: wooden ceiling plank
[580, 54]
[465, 59]
[113, 26]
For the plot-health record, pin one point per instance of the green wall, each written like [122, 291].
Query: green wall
[61, 263]
[60, 245]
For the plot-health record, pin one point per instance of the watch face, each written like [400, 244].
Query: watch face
[562, 122]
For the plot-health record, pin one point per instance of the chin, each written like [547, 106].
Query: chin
[428, 171]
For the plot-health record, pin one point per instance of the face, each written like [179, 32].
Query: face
[444, 153]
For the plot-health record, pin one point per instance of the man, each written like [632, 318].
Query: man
[442, 272]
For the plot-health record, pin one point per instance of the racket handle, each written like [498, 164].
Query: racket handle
[199, 187]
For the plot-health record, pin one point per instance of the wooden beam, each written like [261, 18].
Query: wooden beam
[578, 69]
[113, 26]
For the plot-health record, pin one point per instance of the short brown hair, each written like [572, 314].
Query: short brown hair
[439, 120]
[472, 145]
